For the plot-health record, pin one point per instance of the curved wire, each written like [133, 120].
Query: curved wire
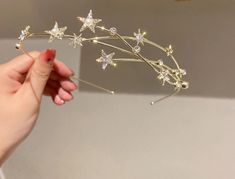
[151, 63]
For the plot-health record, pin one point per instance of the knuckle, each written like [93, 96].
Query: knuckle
[40, 73]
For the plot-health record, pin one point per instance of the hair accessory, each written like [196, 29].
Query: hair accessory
[167, 75]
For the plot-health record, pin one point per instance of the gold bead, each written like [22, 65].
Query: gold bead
[17, 46]
[185, 85]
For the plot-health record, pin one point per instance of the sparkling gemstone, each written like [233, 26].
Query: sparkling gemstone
[76, 40]
[89, 22]
[136, 49]
[106, 60]
[169, 50]
[139, 37]
[183, 72]
[159, 62]
[164, 76]
[113, 31]
[24, 33]
[56, 32]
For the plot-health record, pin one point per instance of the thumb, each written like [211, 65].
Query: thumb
[40, 72]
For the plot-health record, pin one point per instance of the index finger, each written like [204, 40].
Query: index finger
[62, 69]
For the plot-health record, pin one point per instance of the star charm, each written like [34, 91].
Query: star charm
[139, 37]
[164, 76]
[169, 50]
[56, 32]
[76, 40]
[106, 60]
[24, 33]
[89, 22]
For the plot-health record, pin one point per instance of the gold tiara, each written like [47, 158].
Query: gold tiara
[167, 75]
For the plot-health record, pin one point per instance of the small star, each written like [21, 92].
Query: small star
[106, 60]
[24, 33]
[164, 76]
[89, 22]
[76, 40]
[169, 50]
[56, 33]
[139, 37]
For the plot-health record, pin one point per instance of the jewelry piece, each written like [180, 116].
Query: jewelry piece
[139, 37]
[166, 74]
[56, 32]
[169, 50]
[76, 40]
[106, 60]
[89, 22]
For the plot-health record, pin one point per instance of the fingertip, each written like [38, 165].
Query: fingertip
[68, 85]
[62, 69]
[58, 101]
[65, 95]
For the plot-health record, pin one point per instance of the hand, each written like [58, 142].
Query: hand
[23, 81]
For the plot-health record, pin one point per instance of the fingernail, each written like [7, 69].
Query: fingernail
[62, 101]
[48, 55]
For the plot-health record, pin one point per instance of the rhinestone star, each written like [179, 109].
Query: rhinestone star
[24, 33]
[169, 50]
[56, 32]
[89, 22]
[139, 37]
[106, 60]
[164, 76]
[76, 40]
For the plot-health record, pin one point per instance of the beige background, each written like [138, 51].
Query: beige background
[190, 136]
[102, 137]
[202, 32]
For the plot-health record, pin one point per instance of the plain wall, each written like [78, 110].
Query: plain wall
[104, 136]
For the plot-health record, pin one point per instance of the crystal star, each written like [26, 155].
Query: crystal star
[89, 22]
[24, 33]
[139, 37]
[164, 76]
[56, 32]
[76, 40]
[106, 60]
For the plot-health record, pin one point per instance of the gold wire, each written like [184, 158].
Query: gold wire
[165, 97]
[93, 85]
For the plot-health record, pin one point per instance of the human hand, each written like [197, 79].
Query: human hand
[23, 82]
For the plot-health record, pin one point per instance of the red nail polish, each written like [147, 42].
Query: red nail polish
[48, 55]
